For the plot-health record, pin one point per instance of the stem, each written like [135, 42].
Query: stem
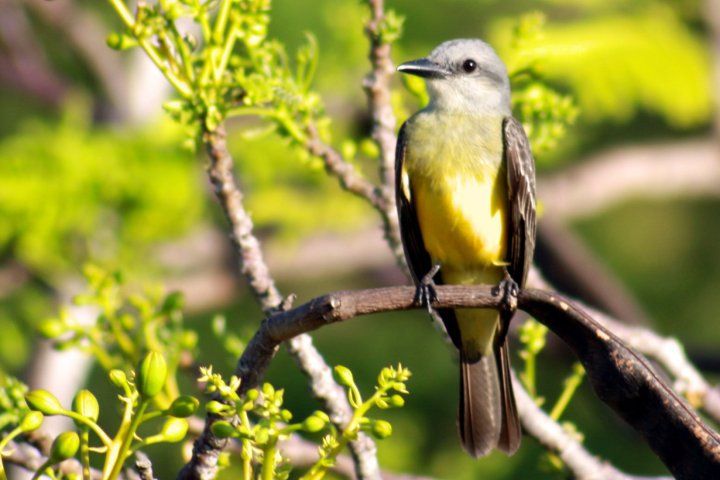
[319, 469]
[571, 385]
[40, 471]
[529, 376]
[221, 20]
[247, 468]
[268, 466]
[127, 440]
[182, 88]
[3, 443]
[85, 452]
[104, 438]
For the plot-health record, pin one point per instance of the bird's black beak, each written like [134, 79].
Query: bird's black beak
[423, 68]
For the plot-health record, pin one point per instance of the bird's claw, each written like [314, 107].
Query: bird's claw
[425, 293]
[509, 290]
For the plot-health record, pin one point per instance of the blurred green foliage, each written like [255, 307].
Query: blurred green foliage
[71, 191]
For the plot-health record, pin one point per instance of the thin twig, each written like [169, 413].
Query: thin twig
[377, 88]
[207, 448]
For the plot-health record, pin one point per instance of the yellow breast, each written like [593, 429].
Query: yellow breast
[458, 184]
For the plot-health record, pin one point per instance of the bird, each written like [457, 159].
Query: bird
[465, 194]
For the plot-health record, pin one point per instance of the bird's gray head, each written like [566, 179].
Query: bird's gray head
[464, 75]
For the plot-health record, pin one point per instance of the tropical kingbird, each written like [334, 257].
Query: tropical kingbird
[465, 180]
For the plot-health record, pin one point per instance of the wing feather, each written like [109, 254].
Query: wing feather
[417, 257]
[521, 200]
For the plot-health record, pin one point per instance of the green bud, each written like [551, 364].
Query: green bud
[86, 405]
[52, 328]
[313, 424]
[183, 406]
[252, 394]
[44, 401]
[285, 415]
[174, 429]
[118, 378]
[152, 375]
[223, 429]
[31, 421]
[262, 436]
[344, 376]
[65, 446]
[396, 401]
[381, 429]
[213, 406]
[120, 41]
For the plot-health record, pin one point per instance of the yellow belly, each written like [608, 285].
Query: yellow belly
[463, 221]
[457, 182]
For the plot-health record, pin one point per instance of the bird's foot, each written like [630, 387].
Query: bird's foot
[509, 290]
[425, 292]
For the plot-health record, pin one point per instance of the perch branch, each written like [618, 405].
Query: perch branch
[620, 377]
[207, 447]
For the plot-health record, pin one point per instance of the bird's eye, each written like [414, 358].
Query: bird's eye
[469, 65]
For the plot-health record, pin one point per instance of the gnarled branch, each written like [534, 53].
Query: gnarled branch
[621, 378]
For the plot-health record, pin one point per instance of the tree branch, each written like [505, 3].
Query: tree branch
[377, 88]
[667, 351]
[207, 447]
[582, 464]
[689, 169]
[620, 377]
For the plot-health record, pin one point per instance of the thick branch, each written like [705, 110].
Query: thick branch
[620, 377]
[207, 448]
[688, 169]
[667, 351]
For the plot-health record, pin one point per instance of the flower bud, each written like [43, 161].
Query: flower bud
[396, 401]
[119, 41]
[174, 429]
[183, 406]
[118, 378]
[86, 405]
[213, 406]
[151, 375]
[223, 429]
[52, 328]
[44, 401]
[65, 446]
[313, 424]
[344, 376]
[31, 421]
[381, 429]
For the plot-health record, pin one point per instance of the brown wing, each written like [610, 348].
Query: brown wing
[521, 200]
[520, 169]
[417, 257]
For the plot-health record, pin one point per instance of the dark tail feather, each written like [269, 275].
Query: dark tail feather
[479, 415]
[510, 433]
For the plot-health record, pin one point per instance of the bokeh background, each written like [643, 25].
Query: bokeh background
[92, 170]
